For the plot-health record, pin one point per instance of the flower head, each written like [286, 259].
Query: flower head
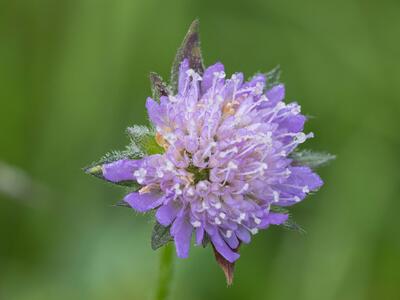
[218, 162]
[226, 162]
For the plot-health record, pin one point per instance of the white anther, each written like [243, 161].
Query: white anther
[300, 137]
[159, 173]
[254, 231]
[228, 233]
[222, 215]
[193, 74]
[257, 220]
[196, 224]
[169, 166]
[140, 175]
[173, 99]
[177, 189]
[280, 105]
[190, 191]
[217, 205]
[276, 196]
[306, 189]
[171, 138]
[258, 88]
[217, 221]
[202, 186]
[232, 166]
[219, 75]
[296, 199]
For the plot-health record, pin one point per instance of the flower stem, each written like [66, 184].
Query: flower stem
[165, 273]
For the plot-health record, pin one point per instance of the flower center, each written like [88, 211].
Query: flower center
[198, 174]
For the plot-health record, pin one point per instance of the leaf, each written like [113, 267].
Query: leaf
[143, 140]
[158, 86]
[272, 77]
[227, 267]
[160, 236]
[190, 49]
[311, 159]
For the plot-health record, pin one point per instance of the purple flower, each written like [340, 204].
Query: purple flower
[226, 161]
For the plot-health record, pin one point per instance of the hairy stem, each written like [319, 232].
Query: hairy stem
[165, 272]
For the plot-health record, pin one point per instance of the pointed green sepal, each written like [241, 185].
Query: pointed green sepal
[311, 159]
[290, 224]
[190, 49]
[272, 77]
[160, 236]
[158, 86]
[143, 139]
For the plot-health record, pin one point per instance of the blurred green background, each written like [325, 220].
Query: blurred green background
[73, 76]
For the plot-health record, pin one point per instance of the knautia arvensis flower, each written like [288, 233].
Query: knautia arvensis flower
[223, 169]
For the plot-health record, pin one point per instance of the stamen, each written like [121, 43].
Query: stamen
[196, 224]
[140, 175]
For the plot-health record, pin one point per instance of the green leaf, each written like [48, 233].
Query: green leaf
[143, 139]
[158, 86]
[190, 49]
[311, 159]
[272, 77]
[160, 236]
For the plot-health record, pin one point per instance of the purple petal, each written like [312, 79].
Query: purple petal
[232, 241]
[183, 75]
[306, 177]
[243, 234]
[273, 219]
[143, 202]
[293, 123]
[156, 111]
[120, 170]
[258, 78]
[208, 76]
[276, 94]
[181, 230]
[199, 235]
[223, 248]
[167, 213]
[301, 181]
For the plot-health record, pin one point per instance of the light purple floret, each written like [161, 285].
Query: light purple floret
[237, 136]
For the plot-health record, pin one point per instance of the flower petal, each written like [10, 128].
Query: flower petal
[181, 230]
[154, 111]
[223, 249]
[143, 202]
[243, 234]
[167, 213]
[273, 219]
[276, 94]
[199, 235]
[183, 76]
[208, 76]
[301, 181]
[120, 170]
